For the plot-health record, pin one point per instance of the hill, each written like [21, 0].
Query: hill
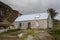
[7, 14]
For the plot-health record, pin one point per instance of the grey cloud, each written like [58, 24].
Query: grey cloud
[33, 6]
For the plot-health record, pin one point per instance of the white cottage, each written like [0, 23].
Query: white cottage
[34, 21]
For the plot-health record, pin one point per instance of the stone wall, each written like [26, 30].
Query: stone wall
[34, 24]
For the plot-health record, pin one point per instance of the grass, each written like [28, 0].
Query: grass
[30, 32]
[26, 32]
[55, 33]
[15, 32]
[23, 37]
[10, 32]
[57, 25]
[56, 30]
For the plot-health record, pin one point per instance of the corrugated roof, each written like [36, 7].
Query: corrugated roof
[35, 16]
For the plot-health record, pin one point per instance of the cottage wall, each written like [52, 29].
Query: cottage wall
[50, 22]
[34, 24]
[24, 25]
[16, 25]
[43, 24]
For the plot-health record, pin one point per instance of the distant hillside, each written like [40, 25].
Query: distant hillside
[7, 14]
[56, 24]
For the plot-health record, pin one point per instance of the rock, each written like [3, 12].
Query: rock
[20, 35]
[29, 37]
[38, 35]
[43, 36]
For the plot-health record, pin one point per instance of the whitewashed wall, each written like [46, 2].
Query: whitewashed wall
[41, 24]
[50, 22]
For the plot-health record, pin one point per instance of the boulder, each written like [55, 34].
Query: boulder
[43, 36]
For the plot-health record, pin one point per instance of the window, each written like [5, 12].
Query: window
[20, 24]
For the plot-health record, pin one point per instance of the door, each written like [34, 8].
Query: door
[29, 25]
[20, 25]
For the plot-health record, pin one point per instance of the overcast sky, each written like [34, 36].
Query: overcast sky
[33, 6]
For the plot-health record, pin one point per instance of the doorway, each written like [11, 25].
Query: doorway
[29, 25]
[20, 25]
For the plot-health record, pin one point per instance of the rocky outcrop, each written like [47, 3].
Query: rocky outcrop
[7, 14]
